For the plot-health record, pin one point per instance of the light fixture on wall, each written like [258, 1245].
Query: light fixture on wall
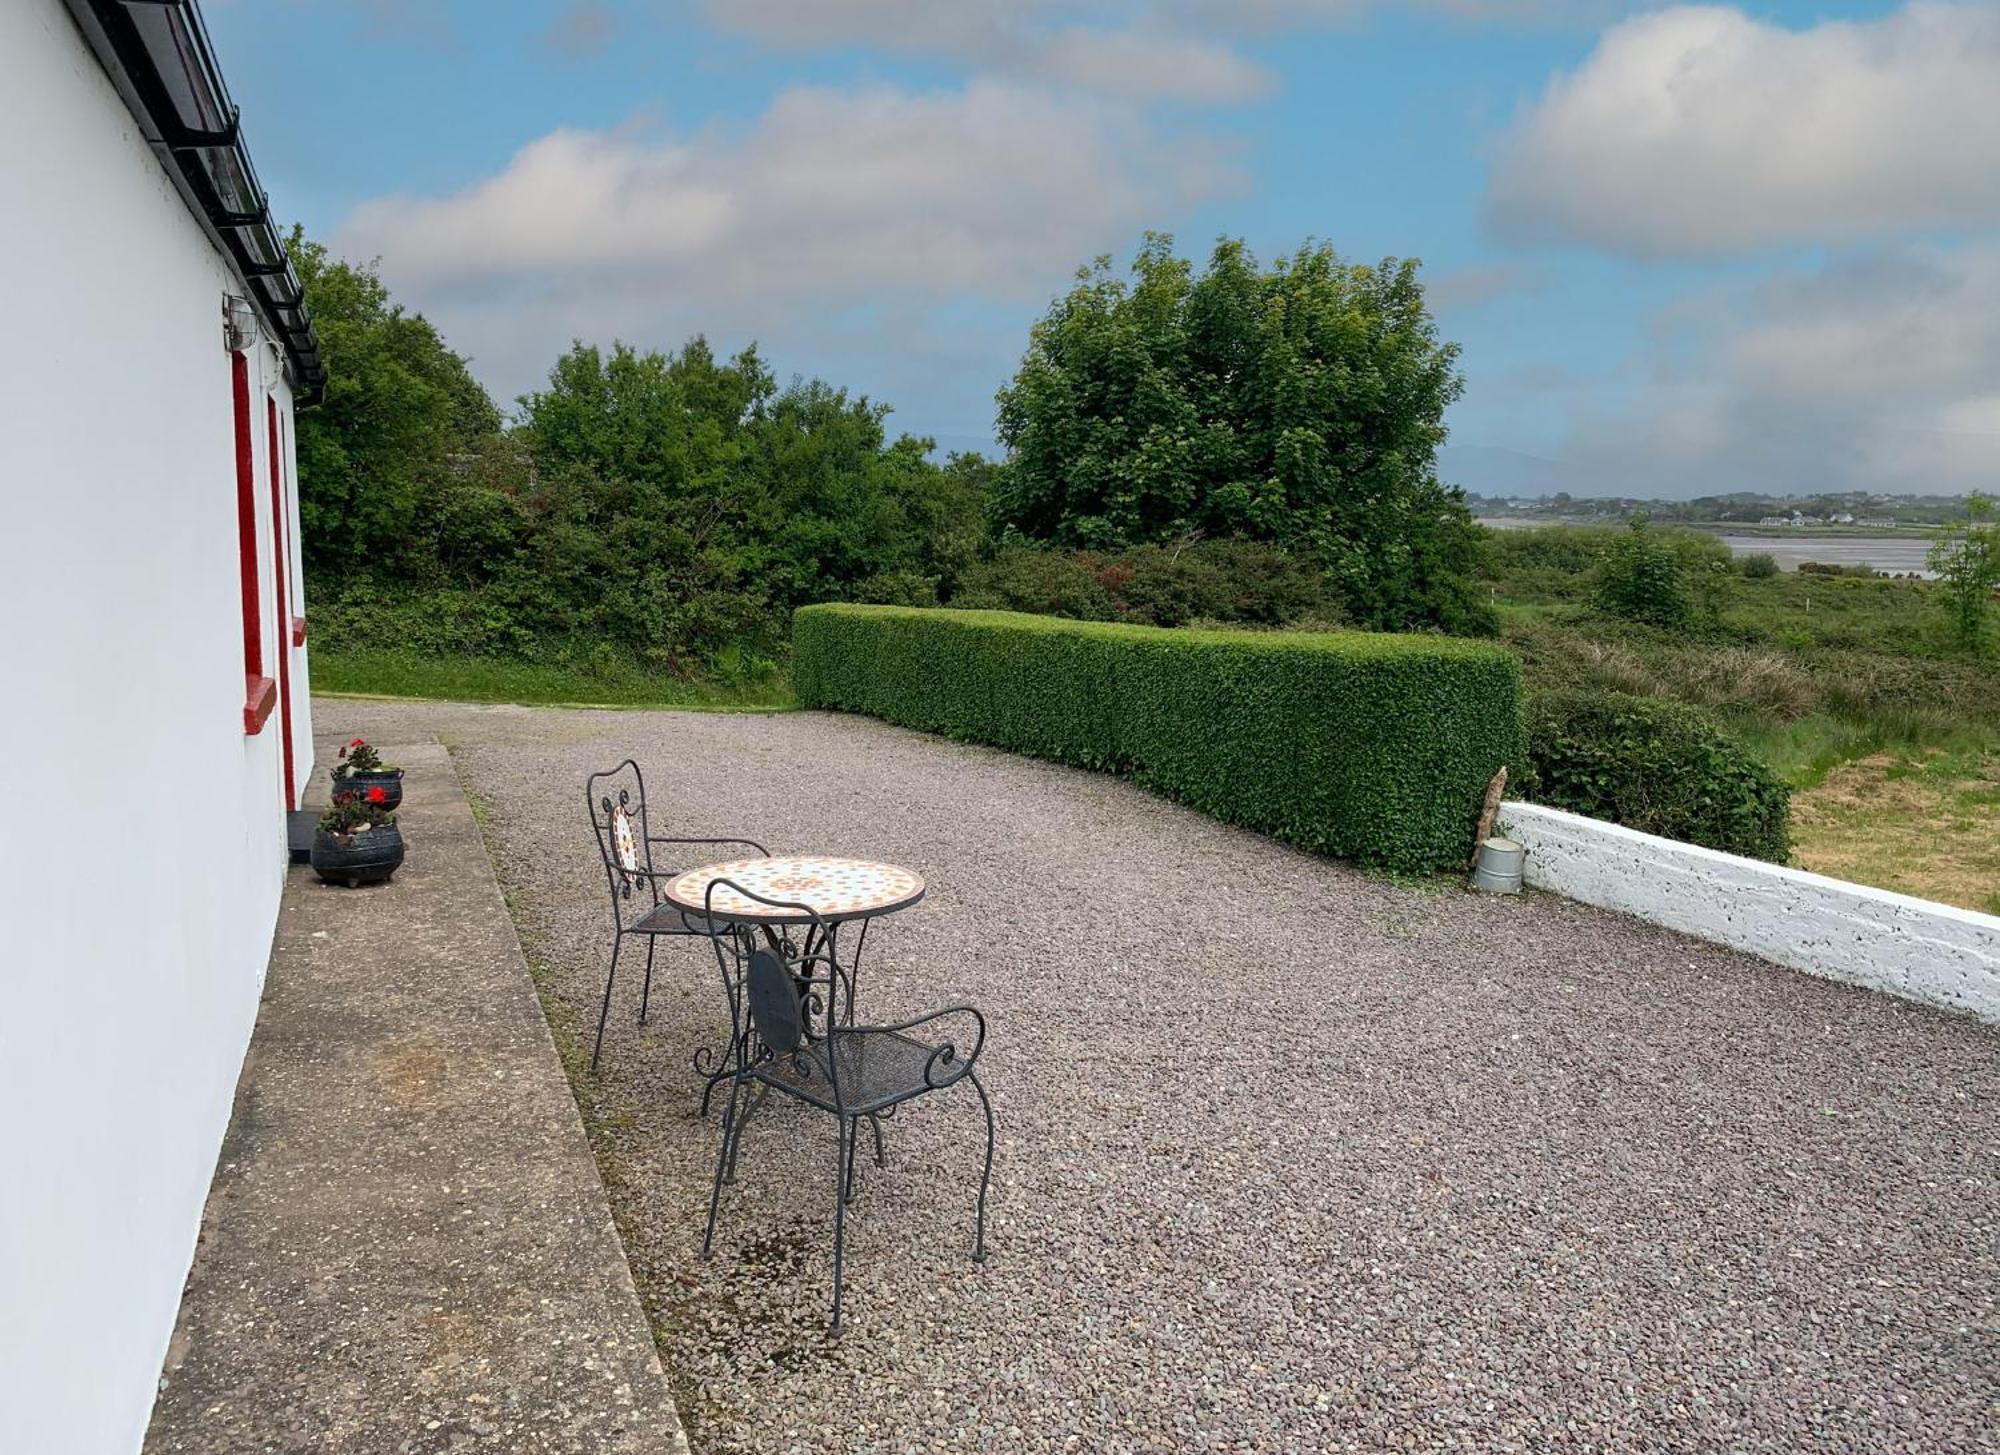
[239, 323]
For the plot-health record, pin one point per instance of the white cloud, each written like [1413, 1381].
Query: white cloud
[953, 27]
[1085, 44]
[966, 27]
[831, 200]
[1148, 64]
[1876, 372]
[1173, 49]
[1697, 130]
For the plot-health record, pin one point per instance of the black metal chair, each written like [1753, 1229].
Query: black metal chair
[795, 1037]
[628, 864]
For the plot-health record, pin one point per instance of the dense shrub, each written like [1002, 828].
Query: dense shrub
[1571, 563]
[701, 632]
[1569, 550]
[1374, 747]
[1233, 581]
[1758, 566]
[1222, 581]
[1041, 582]
[1871, 684]
[1966, 558]
[1743, 681]
[1640, 579]
[1660, 767]
[1699, 552]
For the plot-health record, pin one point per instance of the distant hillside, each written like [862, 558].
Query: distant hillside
[1847, 509]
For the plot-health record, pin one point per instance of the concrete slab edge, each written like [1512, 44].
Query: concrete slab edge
[1935, 954]
[676, 1438]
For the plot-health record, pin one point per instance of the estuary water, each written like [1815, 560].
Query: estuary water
[1884, 553]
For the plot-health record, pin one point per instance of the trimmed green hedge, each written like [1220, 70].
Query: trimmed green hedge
[1661, 767]
[1369, 746]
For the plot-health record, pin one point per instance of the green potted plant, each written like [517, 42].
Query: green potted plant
[357, 841]
[361, 768]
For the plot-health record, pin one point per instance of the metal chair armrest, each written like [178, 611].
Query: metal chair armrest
[752, 843]
[946, 1056]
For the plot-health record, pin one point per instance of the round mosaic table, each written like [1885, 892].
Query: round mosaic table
[838, 889]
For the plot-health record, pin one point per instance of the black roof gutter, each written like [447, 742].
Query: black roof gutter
[158, 56]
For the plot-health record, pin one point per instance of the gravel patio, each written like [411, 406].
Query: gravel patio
[1291, 1158]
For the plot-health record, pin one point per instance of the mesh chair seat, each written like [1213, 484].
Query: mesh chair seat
[877, 1069]
[669, 919]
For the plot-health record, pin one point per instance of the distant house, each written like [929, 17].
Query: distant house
[155, 676]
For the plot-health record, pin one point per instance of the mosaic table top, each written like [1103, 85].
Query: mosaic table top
[836, 888]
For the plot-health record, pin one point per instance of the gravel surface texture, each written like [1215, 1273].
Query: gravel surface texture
[1291, 1158]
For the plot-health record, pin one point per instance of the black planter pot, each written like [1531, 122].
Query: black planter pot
[357, 859]
[391, 785]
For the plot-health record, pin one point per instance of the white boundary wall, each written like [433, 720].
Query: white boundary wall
[144, 847]
[1934, 953]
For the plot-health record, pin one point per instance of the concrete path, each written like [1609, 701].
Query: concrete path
[1292, 1159]
[407, 1246]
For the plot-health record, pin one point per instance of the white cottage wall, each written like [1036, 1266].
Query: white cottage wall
[144, 846]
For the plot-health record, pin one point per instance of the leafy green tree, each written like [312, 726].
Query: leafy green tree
[693, 502]
[1641, 579]
[1966, 558]
[664, 509]
[1301, 405]
[374, 456]
[674, 422]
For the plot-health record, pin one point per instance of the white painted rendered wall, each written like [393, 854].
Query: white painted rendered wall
[1933, 953]
[142, 847]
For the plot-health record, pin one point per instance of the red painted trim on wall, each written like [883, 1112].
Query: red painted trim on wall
[255, 712]
[279, 557]
[260, 695]
[298, 631]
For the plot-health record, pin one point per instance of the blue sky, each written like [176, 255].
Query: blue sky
[1685, 249]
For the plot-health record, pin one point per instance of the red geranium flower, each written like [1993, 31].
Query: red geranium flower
[358, 743]
[376, 795]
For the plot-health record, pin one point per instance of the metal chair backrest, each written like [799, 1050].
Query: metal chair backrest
[774, 1003]
[772, 985]
[616, 799]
